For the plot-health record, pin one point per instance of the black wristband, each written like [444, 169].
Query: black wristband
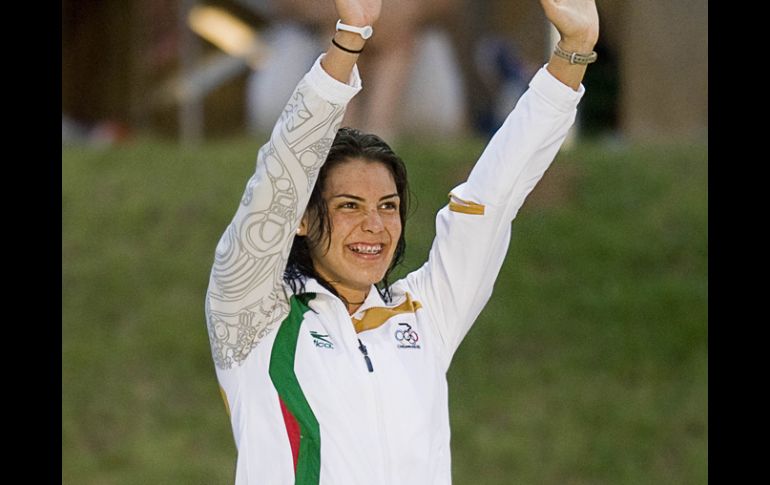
[345, 48]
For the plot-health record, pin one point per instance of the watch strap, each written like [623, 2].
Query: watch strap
[575, 57]
[365, 32]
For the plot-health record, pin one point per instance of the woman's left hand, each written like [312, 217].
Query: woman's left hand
[577, 22]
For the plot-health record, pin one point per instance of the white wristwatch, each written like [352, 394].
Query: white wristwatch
[366, 31]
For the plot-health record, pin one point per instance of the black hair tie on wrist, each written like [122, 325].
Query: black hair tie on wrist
[345, 48]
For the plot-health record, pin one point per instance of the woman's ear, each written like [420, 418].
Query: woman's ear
[302, 229]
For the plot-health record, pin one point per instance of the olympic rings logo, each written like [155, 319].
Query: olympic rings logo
[407, 334]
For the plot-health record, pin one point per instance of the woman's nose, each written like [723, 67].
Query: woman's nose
[372, 221]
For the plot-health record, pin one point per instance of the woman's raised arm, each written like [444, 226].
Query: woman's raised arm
[578, 24]
[245, 297]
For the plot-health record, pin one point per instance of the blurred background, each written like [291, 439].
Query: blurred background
[588, 366]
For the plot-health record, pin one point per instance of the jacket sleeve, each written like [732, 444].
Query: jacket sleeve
[245, 296]
[473, 231]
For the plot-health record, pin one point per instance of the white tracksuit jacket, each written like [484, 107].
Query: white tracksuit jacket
[316, 395]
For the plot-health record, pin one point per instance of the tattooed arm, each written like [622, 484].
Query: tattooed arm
[245, 296]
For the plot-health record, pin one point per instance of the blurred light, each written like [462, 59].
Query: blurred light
[228, 33]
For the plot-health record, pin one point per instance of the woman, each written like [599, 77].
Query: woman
[328, 379]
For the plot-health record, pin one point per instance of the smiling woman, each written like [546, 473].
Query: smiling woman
[364, 228]
[352, 233]
[320, 358]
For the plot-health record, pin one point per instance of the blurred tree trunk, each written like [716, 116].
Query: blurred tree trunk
[96, 59]
[664, 69]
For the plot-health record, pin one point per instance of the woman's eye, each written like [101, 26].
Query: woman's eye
[389, 206]
[348, 205]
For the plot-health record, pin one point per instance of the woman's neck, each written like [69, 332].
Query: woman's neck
[353, 307]
[353, 298]
[353, 295]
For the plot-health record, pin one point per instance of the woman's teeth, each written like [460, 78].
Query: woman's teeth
[366, 248]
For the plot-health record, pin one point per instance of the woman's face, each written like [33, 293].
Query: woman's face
[363, 206]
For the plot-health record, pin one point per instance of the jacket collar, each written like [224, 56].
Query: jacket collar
[374, 312]
[373, 299]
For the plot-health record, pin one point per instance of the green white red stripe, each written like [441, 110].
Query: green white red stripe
[301, 424]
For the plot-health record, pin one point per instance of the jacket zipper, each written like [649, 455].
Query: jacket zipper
[362, 348]
[381, 429]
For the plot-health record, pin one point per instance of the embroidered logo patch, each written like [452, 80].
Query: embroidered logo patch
[406, 337]
[321, 340]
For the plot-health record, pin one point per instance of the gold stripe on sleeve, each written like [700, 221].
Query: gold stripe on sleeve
[224, 398]
[457, 204]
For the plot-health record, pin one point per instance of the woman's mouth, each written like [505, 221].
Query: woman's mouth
[366, 249]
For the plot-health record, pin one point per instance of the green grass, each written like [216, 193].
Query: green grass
[588, 366]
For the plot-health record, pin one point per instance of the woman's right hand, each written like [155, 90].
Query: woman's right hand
[339, 62]
[358, 12]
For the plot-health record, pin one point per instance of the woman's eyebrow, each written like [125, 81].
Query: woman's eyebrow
[361, 199]
[347, 196]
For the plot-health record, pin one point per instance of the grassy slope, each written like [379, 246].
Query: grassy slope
[588, 366]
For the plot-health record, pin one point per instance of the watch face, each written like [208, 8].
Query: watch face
[365, 31]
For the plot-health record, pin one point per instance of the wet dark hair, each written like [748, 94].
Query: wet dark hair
[349, 144]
